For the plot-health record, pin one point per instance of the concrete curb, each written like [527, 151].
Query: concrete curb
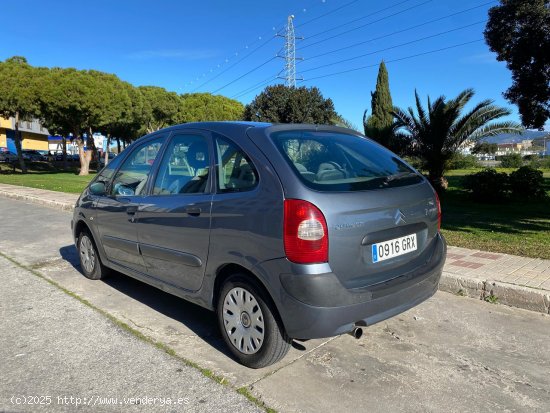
[503, 293]
[64, 206]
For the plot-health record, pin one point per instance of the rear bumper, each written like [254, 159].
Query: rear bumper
[317, 305]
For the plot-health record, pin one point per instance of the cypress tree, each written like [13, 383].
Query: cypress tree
[378, 125]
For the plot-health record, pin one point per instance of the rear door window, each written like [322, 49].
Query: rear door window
[327, 161]
[236, 172]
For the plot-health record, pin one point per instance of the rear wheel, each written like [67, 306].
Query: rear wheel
[248, 324]
[90, 262]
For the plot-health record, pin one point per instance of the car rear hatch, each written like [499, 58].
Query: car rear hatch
[368, 196]
[360, 224]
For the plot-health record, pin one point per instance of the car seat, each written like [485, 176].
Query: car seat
[197, 156]
[329, 171]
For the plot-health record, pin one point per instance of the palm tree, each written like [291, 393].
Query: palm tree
[437, 134]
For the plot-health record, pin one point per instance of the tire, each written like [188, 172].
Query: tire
[90, 263]
[248, 323]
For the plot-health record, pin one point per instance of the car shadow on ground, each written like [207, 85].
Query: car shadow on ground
[201, 321]
[70, 254]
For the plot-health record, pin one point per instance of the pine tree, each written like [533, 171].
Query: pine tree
[378, 125]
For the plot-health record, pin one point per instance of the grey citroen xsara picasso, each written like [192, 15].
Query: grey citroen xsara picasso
[286, 231]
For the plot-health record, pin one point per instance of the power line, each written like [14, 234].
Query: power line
[255, 86]
[236, 53]
[250, 45]
[270, 78]
[328, 13]
[395, 46]
[246, 74]
[360, 18]
[394, 60]
[261, 83]
[400, 31]
[307, 22]
[363, 25]
[236, 63]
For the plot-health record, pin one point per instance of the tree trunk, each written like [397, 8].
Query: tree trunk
[84, 166]
[118, 146]
[438, 181]
[86, 154]
[64, 148]
[107, 149]
[18, 145]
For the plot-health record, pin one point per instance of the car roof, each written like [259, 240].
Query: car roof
[219, 126]
[258, 131]
[259, 128]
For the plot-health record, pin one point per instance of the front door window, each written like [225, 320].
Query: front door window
[185, 167]
[132, 176]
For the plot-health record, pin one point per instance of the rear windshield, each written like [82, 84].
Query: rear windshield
[328, 161]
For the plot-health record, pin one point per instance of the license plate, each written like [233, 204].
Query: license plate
[393, 248]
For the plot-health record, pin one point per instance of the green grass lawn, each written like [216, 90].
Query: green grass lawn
[519, 228]
[45, 177]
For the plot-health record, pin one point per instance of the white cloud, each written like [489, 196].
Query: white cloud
[483, 58]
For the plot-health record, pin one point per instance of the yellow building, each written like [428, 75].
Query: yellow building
[34, 135]
[4, 125]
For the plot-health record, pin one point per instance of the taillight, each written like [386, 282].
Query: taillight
[438, 211]
[305, 233]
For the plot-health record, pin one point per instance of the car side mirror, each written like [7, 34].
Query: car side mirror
[98, 188]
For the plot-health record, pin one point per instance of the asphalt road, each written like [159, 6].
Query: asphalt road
[450, 354]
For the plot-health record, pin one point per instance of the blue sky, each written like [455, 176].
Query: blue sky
[180, 45]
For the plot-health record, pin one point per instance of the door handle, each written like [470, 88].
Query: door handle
[131, 210]
[195, 211]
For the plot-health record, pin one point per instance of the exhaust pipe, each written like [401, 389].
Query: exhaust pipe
[356, 333]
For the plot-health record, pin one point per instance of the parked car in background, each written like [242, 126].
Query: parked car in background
[7, 156]
[58, 157]
[285, 231]
[32, 155]
[111, 156]
[46, 155]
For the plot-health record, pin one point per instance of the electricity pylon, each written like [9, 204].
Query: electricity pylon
[290, 53]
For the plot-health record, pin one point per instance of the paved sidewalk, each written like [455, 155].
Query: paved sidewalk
[529, 272]
[499, 278]
[507, 279]
[54, 199]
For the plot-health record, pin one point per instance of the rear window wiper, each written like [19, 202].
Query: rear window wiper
[398, 176]
[385, 181]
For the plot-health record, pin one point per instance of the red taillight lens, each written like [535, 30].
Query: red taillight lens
[305, 233]
[438, 211]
